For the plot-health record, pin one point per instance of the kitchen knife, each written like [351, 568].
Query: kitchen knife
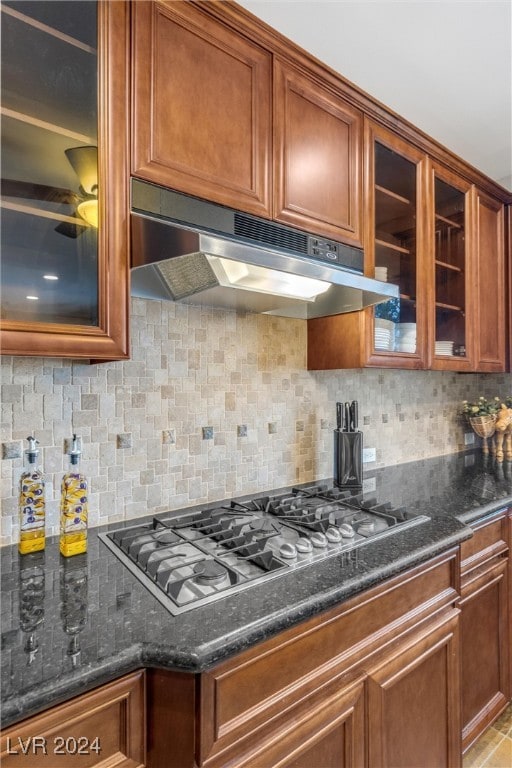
[348, 425]
[339, 417]
[354, 416]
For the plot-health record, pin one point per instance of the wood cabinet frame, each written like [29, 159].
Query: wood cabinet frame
[109, 340]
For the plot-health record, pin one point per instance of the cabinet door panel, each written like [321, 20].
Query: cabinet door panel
[317, 157]
[484, 649]
[452, 339]
[330, 735]
[66, 278]
[490, 317]
[201, 107]
[413, 704]
[102, 728]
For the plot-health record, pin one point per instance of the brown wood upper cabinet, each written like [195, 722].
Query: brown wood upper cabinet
[490, 283]
[317, 156]
[441, 239]
[202, 114]
[393, 334]
[201, 106]
[65, 146]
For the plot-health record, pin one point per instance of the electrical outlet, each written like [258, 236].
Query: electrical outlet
[469, 438]
[369, 485]
[369, 455]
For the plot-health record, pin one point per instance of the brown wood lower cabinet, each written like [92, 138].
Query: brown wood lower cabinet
[485, 639]
[375, 681]
[104, 728]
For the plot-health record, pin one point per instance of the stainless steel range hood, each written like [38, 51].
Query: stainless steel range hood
[188, 250]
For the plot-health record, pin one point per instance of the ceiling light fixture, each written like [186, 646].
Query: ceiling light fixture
[32, 298]
[88, 210]
[84, 161]
[50, 277]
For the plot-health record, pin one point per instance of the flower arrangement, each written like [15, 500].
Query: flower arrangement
[482, 407]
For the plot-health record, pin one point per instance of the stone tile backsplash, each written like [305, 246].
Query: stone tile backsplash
[212, 404]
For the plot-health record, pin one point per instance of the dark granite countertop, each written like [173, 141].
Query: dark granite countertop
[70, 625]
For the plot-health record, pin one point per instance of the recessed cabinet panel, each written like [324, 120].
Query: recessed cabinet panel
[201, 107]
[317, 157]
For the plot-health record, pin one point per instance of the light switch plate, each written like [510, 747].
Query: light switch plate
[369, 455]
[469, 438]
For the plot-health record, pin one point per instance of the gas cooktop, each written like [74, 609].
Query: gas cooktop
[192, 558]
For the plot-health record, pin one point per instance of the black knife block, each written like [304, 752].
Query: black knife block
[348, 459]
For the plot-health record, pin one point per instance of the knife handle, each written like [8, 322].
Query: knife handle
[348, 424]
[354, 408]
[339, 416]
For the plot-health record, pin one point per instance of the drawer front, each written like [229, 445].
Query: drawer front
[105, 727]
[489, 540]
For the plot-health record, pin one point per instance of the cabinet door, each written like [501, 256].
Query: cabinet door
[64, 171]
[330, 735]
[201, 106]
[317, 157]
[452, 304]
[490, 288]
[413, 703]
[484, 650]
[392, 334]
[395, 249]
[485, 644]
[104, 728]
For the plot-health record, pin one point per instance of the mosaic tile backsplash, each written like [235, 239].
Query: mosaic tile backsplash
[212, 404]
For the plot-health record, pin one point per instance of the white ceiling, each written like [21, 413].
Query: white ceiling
[444, 65]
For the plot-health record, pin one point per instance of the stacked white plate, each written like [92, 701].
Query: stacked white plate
[381, 273]
[444, 348]
[405, 337]
[384, 333]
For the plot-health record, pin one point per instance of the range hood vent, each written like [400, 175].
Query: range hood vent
[185, 249]
[270, 234]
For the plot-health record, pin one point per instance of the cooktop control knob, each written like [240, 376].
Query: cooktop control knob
[304, 545]
[288, 550]
[319, 540]
[333, 535]
[347, 531]
[366, 528]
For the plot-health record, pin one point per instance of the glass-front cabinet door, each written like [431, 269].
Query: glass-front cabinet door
[451, 342]
[63, 233]
[395, 250]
